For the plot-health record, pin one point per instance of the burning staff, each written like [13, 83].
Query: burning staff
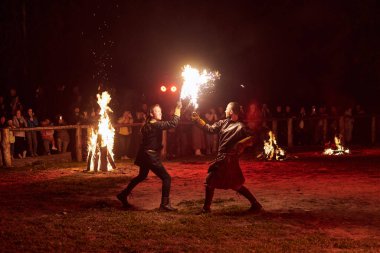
[194, 81]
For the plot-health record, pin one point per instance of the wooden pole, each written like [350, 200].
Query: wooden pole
[78, 143]
[373, 130]
[324, 130]
[6, 148]
[103, 158]
[274, 126]
[290, 132]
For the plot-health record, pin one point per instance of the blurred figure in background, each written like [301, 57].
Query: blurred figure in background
[124, 134]
[31, 136]
[63, 136]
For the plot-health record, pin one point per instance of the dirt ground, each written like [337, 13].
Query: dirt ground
[338, 196]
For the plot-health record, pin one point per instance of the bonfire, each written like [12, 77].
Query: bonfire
[100, 145]
[272, 151]
[336, 148]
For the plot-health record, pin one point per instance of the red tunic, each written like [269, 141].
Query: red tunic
[225, 171]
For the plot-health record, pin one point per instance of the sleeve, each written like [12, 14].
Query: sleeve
[214, 128]
[164, 125]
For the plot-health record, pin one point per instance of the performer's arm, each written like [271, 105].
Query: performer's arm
[164, 125]
[214, 128]
[242, 144]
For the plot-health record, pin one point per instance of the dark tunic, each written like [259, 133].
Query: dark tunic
[225, 171]
[151, 145]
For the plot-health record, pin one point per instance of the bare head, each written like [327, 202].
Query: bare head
[232, 110]
[155, 112]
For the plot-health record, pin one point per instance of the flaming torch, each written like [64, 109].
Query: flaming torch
[194, 81]
[100, 145]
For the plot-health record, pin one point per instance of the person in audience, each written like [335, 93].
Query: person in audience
[31, 136]
[20, 142]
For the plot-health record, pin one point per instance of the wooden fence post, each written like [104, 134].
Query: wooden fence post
[78, 143]
[164, 143]
[274, 127]
[6, 148]
[341, 127]
[373, 130]
[290, 132]
[324, 130]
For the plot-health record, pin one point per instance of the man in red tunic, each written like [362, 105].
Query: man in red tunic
[225, 171]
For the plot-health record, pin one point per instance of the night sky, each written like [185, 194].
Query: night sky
[283, 52]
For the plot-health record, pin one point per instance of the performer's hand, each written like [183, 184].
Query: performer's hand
[177, 110]
[179, 105]
[196, 118]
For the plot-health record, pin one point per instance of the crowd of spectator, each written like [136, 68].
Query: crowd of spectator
[309, 124]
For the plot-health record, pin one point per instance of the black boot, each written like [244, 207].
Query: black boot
[123, 197]
[165, 205]
[255, 205]
[208, 200]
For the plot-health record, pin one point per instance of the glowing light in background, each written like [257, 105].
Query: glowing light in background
[173, 89]
[193, 81]
[163, 88]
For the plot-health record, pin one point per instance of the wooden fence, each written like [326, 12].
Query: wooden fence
[6, 152]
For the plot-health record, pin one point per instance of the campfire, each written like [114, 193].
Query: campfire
[100, 144]
[271, 151]
[336, 148]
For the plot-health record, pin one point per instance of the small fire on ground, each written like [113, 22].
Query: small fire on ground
[271, 150]
[336, 148]
[100, 145]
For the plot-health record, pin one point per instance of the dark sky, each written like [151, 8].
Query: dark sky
[292, 52]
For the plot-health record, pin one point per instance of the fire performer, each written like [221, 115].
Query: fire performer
[225, 171]
[148, 157]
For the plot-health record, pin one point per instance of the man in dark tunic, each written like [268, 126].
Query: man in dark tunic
[225, 171]
[148, 156]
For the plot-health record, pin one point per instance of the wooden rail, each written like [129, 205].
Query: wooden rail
[5, 134]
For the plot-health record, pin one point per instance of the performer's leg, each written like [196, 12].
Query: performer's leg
[209, 194]
[255, 205]
[122, 196]
[161, 172]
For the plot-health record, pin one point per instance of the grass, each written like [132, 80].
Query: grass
[62, 215]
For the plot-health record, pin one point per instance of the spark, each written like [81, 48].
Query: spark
[194, 81]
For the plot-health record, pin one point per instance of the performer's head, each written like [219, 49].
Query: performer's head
[233, 108]
[155, 112]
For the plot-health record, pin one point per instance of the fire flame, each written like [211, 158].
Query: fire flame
[272, 150]
[338, 149]
[193, 81]
[103, 136]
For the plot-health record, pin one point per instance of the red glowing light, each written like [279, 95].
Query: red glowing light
[173, 89]
[163, 88]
